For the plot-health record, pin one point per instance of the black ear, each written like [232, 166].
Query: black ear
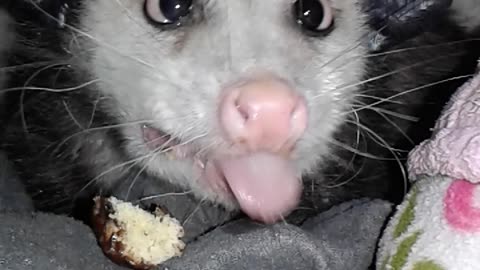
[40, 13]
[398, 20]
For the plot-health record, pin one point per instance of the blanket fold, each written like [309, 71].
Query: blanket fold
[342, 238]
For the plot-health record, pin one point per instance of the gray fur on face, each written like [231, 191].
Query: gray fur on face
[175, 78]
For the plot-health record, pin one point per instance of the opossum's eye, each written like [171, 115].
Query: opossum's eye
[314, 16]
[167, 11]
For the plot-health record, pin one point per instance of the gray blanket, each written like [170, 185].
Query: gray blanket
[342, 238]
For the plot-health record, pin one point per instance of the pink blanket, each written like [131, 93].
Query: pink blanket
[454, 148]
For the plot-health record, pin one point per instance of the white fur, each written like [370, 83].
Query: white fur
[466, 13]
[152, 77]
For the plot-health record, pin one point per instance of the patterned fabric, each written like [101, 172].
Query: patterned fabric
[437, 227]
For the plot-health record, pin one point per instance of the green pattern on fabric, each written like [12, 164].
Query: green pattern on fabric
[427, 265]
[403, 250]
[385, 263]
[407, 216]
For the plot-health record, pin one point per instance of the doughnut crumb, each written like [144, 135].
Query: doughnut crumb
[131, 236]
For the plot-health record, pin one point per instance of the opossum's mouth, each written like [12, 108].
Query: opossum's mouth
[265, 185]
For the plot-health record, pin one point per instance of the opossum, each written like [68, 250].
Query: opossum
[261, 106]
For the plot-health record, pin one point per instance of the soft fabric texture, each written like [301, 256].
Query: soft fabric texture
[344, 237]
[454, 147]
[437, 227]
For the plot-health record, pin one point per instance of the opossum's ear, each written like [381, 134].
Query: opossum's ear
[56, 10]
[398, 20]
[44, 12]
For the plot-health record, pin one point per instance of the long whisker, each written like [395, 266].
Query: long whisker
[392, 113]
[389, 73]
[13, 68]
[353, 177]
[147, 163]
[363, 95]
[357, 141]
[116, 167]
[370, 131]
[413, 90]
[187, 219]
[153, 197]
[22, 96]
[352, 59]
[356, 151]
[59, 90]
[421, 47]
[92, 117]
[74, 119]
[396, 158]
[395, 125]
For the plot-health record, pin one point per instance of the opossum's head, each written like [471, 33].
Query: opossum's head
[233, 99]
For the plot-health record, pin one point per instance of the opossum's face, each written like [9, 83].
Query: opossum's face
[233, 99]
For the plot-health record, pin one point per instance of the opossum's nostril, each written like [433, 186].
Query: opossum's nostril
[241, 110]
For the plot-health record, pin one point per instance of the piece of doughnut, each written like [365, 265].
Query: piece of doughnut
[131, 236]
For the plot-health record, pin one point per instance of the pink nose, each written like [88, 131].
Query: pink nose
[263, 115]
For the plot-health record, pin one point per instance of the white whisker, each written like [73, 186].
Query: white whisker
[163, 195]
[413, 90]
[390, 73]
[58, 90]
[74, 119]
[187, 219]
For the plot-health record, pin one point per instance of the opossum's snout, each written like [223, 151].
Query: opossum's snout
[263, 115]
[263, 118]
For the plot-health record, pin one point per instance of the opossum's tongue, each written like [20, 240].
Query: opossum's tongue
[265, 185]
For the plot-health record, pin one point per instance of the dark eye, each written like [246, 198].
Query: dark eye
[314, 16]
[167, 11]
